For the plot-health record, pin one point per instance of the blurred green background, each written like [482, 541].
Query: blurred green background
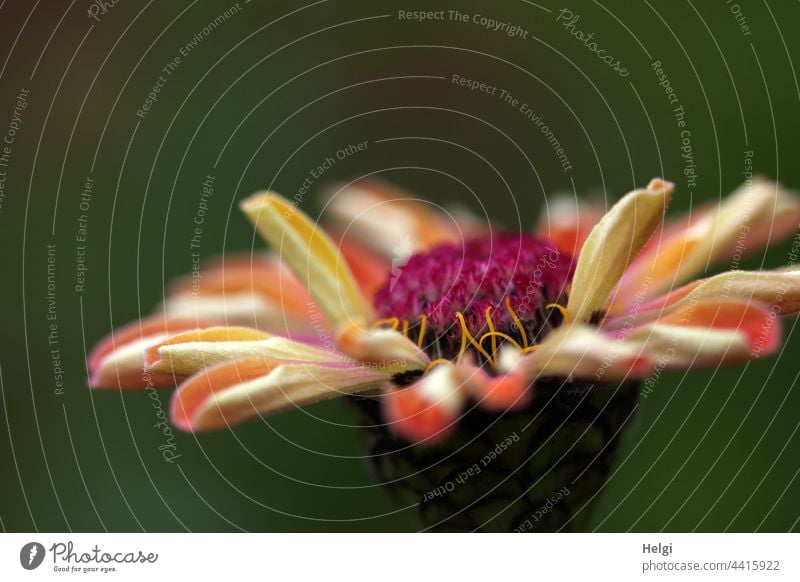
[259, 101]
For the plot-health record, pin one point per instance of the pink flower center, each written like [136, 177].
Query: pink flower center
[513, 276]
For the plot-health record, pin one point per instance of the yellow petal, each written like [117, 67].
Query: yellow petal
[190, 357]
[311, 255]
[613, 243]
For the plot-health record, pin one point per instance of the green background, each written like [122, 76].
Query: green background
[271, 92]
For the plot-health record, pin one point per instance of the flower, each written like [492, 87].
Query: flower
[495, 369]
[467, 314]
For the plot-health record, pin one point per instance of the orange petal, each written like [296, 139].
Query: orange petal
[756, 215]
[427, 410]
[193, 393]
[368, 268]
[567, 222]
[503, 392]
[761, 327]
[779, 290]
[247, 274]
[236, 391]
[107, 370]
[688, 347]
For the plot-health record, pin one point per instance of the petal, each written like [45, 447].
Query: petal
[428, 409]
[311, 255]
[754, 216]
[510, 391]
[387, 348]
[233, 309]
[682, 347]
[232, 392]
[778, 290]
[613, 244]
[387, 218]
[584, 352]
[754, 320]
[369, 269]
[262, 277]
[189, 353]
[118, 360]
[567, 222]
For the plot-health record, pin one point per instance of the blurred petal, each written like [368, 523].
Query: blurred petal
[387, 218]
[585, 352]
[505, 391]
[369, 269]
[779, 290]
[427, 410]
[567, 222]
[612, 245]
[311, 255]
[272, 286]
[118, 360]
[682, 347]
[232, 392]
[233, 309]
[754, 320]
[749, 219]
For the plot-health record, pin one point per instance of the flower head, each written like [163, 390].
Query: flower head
[468, 317]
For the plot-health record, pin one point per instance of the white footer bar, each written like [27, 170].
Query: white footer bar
[402, 557]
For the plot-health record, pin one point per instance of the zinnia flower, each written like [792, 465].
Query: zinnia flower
[496, 370]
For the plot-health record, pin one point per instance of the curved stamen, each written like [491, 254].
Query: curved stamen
[517, 321]
[500, 334]
[561, 309]
[435, 362]
[423, 327]
[490, 323]
[466, 336]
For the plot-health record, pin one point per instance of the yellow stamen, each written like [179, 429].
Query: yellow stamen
[435, 363]
[423, 327]
[467, 336]
[393, 321]
[496, 334]
[490, 323]
[561, 309]
[517, 322]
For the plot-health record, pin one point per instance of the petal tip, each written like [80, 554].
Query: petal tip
[659, 185]
[414, 418]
